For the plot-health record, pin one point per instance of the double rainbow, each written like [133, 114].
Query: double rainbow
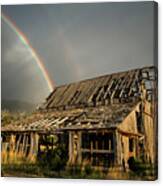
[29, 47]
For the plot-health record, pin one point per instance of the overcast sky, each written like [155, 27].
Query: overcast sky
[75, 41]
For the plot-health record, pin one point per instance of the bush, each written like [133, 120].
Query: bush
[54, 160]
[137, 166]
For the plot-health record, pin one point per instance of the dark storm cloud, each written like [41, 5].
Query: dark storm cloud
[21, 78]
[79, 41]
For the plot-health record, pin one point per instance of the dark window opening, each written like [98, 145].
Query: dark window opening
[97, 148]
[131, 144]
[85, 141]
[5, 138]
[139, 121]
[99, 141]
[106, 144]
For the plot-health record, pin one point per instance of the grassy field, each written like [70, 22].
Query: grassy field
[37, 171]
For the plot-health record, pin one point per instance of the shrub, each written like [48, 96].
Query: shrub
[138, 166]
[54, 160]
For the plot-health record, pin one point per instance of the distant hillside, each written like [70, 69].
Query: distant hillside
[17, 106]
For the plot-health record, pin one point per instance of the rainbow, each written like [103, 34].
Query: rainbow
[29, 47]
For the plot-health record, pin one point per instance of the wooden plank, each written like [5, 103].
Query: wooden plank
[79, 160]
[23, 145]
[70, 152]
[56, 97]
[26, 145]
[31, 145]
[69, 94]
[18, 143]
[97, 86]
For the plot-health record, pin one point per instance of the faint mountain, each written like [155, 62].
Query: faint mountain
[17, 106]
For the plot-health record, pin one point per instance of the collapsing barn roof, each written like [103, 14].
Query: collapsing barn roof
[86, 118]
[101, 102]
[117, 87]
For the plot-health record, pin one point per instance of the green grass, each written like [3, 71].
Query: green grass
[34, 170]
[37, 171]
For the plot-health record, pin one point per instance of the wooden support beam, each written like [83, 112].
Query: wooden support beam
[34, 139]
[91, 151]
[23, 145]
[12, 142]
[31, 144]
[12, 148]
[79, 160]
[70, 148]
[18, 144]
[117, 148]
[26, 145]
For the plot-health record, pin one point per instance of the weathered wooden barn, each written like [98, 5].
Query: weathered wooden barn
[103, 121]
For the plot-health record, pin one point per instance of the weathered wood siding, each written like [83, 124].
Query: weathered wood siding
[127, 130]
[150, 136]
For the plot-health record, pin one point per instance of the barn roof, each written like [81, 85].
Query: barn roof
[113, 88]
[75, 119]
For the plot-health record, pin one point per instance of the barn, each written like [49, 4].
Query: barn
[103, 121]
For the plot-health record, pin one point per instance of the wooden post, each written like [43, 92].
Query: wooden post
[26, 145]
[33, 146]
[137, 147]
[96, 142]
[12, 148]
[17, 144]
[23, 145]
[75, 148]
[79, 148]
[117, 148]
[91, 151]
[36, 144]
[12, 142]
[70, 148]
